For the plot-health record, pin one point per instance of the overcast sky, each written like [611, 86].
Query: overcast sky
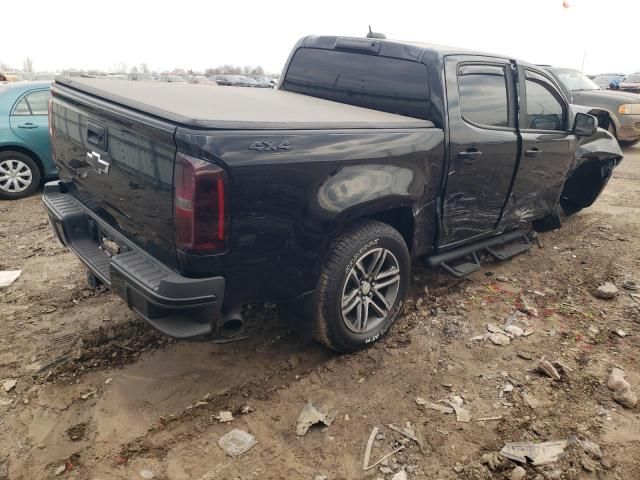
[87, 34]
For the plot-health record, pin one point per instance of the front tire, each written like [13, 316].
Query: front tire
[19, 175]
[362, 286]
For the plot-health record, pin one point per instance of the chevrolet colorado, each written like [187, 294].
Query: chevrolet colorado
[188, 202]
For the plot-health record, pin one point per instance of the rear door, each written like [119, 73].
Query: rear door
[547, 149]
[483, 146]
[29, 121]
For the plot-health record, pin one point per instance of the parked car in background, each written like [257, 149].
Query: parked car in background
[11, 76]
[140, 77]
[201, 79]
[618, 112]
[265, 82]
[235, 81]
[172, 79]
[631, 83]
[25, 153]
[609, 81]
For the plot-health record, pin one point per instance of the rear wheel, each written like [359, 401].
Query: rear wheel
[19, 175]
[362, 286]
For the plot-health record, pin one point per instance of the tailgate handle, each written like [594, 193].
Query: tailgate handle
[97, 135]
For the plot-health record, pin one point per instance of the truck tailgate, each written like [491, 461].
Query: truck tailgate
[121, 166]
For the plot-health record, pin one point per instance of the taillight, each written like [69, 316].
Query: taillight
[200, 206]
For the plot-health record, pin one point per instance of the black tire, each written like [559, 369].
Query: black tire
[31, 165]
[362, 241]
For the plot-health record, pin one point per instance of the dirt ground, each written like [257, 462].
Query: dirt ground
[100, 395]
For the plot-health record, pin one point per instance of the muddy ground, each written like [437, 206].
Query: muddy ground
[100, 395]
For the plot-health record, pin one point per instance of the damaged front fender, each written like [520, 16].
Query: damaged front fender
[596, 157]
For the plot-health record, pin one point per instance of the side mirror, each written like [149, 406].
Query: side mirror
[584, 125]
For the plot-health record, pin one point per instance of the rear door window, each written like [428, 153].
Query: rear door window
[371, 81]
[483, 95]
[39, 102]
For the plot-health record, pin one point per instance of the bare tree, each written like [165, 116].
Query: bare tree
[134, 69]
[144, 68]
[27, 65]
[119, 68]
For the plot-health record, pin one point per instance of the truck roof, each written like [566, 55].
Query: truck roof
[201, 106]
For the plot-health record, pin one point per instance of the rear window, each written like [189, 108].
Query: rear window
[381, 83]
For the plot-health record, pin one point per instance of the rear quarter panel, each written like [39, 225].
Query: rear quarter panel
[288, 204]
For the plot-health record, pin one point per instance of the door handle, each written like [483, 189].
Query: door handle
[28, 125]
[469, 154]
[533, 152]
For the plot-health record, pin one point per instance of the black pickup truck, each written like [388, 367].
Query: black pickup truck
[189, 201]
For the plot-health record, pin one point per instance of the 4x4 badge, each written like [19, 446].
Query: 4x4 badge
[270, 146]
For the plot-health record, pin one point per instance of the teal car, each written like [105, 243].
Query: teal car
[25, 149]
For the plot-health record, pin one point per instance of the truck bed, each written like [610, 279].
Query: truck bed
[212, 107]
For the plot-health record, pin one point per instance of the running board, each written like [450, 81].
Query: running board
[500, 247]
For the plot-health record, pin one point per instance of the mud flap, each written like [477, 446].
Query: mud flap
[548, 223]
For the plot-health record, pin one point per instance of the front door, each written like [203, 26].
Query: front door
[547, 150]
[483, 146]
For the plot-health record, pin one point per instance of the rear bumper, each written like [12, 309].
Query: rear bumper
[629, 127]
[178, 306]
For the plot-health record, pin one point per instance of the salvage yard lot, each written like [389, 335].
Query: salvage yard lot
[101, 394]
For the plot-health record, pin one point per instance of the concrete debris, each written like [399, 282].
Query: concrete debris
[507, 388]
[530, 400]
[528, 306]
[621, 333]
[146, 474]
[622, 391]
[514, 331]
[545, 367]
[525, 355]
[236, 442]
[606, 291]
[499, 338]
[462, 415]
[311, 415]
[500, 278]
[534, 453]
[433, 406]
[60, 470]
[518, 473]
[588, 464]
[7, 277]
[246, 409]
[591, 448]
[401, 475]
[493, 328]
[223, 416]
[9, 384]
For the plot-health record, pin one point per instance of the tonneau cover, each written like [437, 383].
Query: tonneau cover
[213, 107]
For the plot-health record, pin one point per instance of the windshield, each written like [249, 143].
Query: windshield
[635, 78]
[574, 80]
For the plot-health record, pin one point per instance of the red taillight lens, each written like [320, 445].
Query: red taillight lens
[199, 204]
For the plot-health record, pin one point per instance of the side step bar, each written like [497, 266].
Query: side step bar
[500, 247]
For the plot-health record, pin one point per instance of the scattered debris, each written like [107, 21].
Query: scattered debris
[494, 461]
[514, 331]
[433, 406]
[591, 448]
[630, 284]
[108, 381]
[87, 395]
[406, 431]
[528, 306]
[534, 453]
[462, 415]
[9, 384]
[7, 277]
[530, 400]
[367, 452]
[525, 355]
[60, 470]
[622, 391]
[499, 338]
[236, 442]
[223, 416]
[146, 474]
[311, 415]
[606, 291]
[493, 328]
[401, 475]
[588, 464]
[621, 333]
[545, 367]
[507, 388]
[489, 419]
[518, 473]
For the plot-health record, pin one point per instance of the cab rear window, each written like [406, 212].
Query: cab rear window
[380, 83]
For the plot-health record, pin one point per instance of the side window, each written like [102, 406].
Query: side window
[39, 102]
[22, 108]
[545, 108]
[483, 95]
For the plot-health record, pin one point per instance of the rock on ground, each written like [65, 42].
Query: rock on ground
[607, 291]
